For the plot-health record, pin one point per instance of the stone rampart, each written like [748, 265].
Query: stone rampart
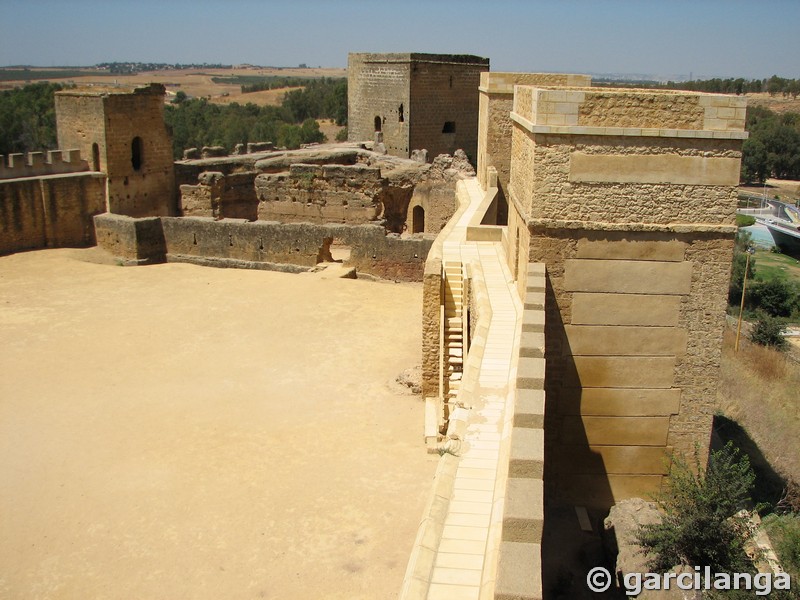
[36, 164]
[261, 244]
[628, 197]
[495, 124]
[50, 211]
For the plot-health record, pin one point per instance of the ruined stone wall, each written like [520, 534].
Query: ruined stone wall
[378, 86]
[444, 105]
[260, 244]
[634, 221]
[220, 196]
[49, 212]
[122, 132]
[322, 194]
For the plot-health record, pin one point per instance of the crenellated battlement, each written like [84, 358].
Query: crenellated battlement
[36, 164]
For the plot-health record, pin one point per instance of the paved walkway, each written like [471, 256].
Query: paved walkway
[461, 562]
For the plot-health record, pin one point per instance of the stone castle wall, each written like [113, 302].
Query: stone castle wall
[496, 103]
[634, 218]
[50, 211]
[121, 131]
[36, 164]
[292, 247]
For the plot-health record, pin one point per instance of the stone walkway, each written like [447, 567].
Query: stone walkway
[467, 552]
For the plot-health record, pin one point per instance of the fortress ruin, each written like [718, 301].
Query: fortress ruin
[574, 284]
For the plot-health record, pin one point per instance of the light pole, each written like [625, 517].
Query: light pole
[750, 251]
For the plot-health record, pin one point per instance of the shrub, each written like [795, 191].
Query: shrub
[775, 297]
[768, 331]
[702, 525]
[744, 220]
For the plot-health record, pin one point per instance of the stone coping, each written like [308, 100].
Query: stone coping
[628, 131]
[423, 554]
[518, 573]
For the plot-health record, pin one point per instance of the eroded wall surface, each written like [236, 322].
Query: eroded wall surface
[261, 244]
[629, 199]
[50, 211]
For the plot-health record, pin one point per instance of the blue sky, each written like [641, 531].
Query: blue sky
[669, 37]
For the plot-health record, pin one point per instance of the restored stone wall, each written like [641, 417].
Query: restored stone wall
[260, 244]
[420, 100]
[629, 199]
[121, 132]
[52, 211]
[495, 125]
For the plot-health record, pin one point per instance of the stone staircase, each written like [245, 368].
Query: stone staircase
[454, 330]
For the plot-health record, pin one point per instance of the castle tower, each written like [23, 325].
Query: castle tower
[121, 132]
[415, 101]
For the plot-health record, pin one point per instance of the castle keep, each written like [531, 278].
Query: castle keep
[415, 101]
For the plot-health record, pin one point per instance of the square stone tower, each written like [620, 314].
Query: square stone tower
[629, 199]
[415, 101]
[121, 132]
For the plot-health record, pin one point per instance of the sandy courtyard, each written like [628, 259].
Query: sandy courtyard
[179, 432]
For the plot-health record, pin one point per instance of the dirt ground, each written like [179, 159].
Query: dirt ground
[778, 103]
[198, 82]
[179, 432]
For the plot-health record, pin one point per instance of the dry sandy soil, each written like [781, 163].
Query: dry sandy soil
[198, 82]
[778, 103]
[179, 432]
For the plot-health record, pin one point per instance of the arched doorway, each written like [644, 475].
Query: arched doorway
[418, 220]
[378, 123]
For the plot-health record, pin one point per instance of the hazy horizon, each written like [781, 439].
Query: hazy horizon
[701, 38]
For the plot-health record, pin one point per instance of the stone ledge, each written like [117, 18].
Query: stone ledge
[628, 131]
[527, 453]
[523, 517]
[519, 573]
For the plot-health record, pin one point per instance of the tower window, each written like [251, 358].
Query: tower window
[136, 153]
[377, 123]
[401, 116]
[449, 127]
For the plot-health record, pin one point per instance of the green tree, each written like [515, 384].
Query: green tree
[775, 297]
[701, 524]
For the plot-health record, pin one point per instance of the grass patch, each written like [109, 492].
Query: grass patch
[784, 533]
[744, 220]
[772, 265]
[758, 390]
